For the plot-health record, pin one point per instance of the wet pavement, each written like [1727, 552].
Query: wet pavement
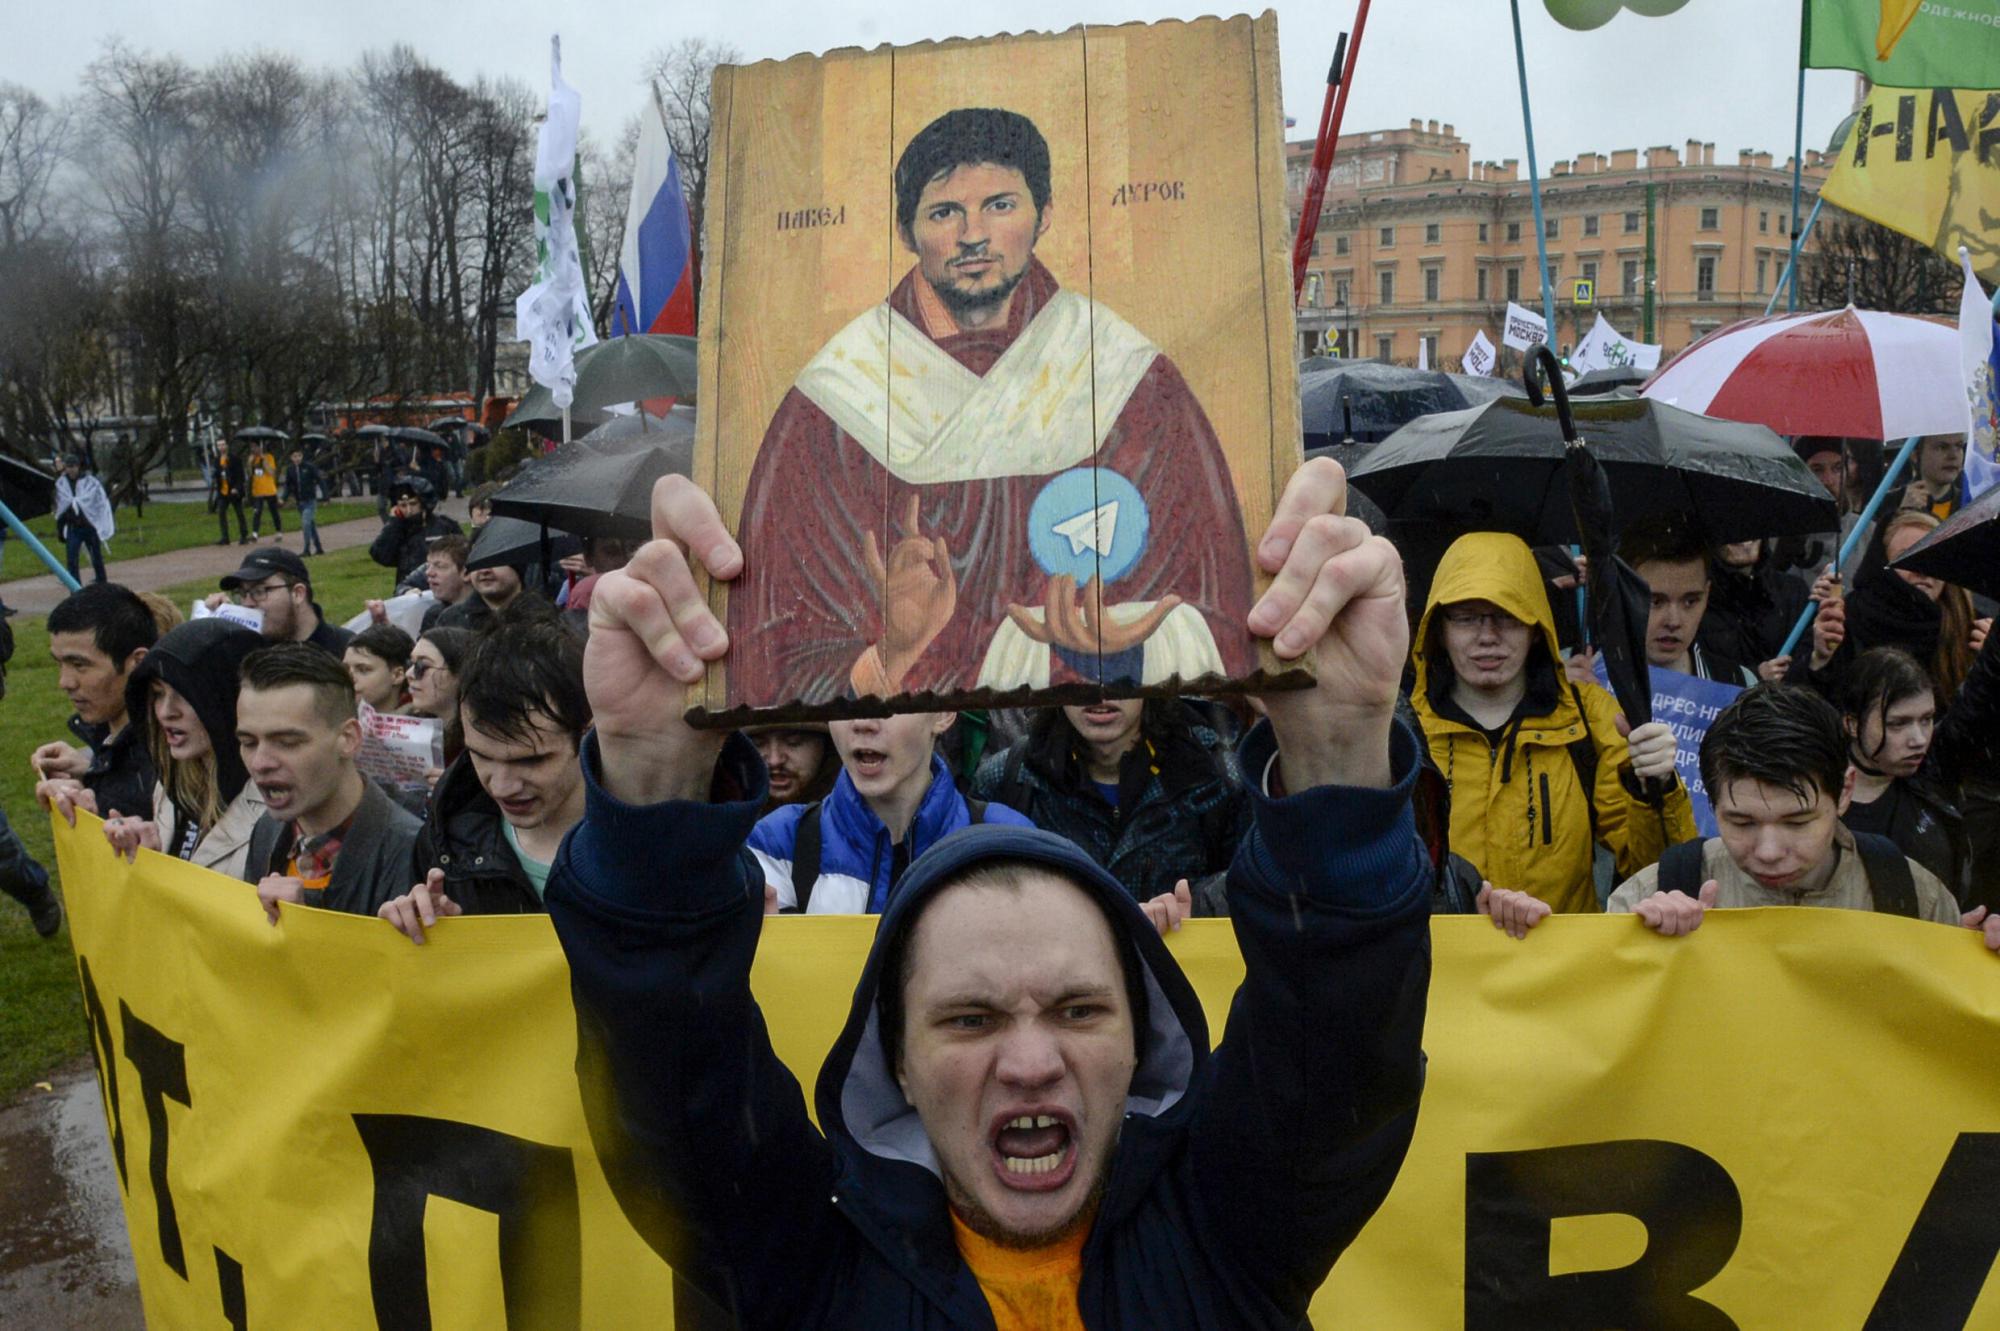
[65, 1261]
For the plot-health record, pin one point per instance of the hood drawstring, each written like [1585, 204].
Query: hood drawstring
[1508, 739]
[1528, 769]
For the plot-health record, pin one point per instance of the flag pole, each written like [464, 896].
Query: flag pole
[1339, 79]
[1534, 173]
[1861, 524]
[1789, 277]
[1799, 153]
[20, 529]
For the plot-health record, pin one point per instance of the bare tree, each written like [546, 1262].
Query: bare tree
[1858, 262]
[34, 141]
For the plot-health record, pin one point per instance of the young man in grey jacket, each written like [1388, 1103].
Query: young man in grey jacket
[330, 837]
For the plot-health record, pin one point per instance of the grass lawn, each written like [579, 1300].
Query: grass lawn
[41, 1018]
[164, 527]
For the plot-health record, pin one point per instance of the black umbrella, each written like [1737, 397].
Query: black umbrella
[582, 488]
[678, 422]
[1349, 454]
[315, 438]
[409, 434]
[1381, 397]
[620, 369]
[27, 490]
[1617, 599]
[443, 423]
[260, 432]
[371, 431]
[1479, 388]
[1500, 467]
[1965, 550]
[513, 543]
[1607, 378]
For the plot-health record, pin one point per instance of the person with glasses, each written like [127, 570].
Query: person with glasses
[275, 582]
[1538, 772]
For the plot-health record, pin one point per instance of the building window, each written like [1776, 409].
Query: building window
[1513, 284]
[1479, 281]
[1589, 274]
[1631, 224]
[1340, 244]
[1433, 280]
[1761, 263]
[1513, 231]
[1430, 341]
[1385, 347]
[1590, 225]
[1315, 248]
[1482, 233]
[1431, 232]
[1704, 277]
[1388, 237]
[1386, 282]
[1552, 227]
[1340, 291]
[1764, 221]
[1711, 219]
[1631, 277]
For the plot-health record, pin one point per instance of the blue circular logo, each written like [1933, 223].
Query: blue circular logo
[1088, 522]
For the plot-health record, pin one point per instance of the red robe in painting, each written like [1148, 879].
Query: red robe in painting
[806, 607]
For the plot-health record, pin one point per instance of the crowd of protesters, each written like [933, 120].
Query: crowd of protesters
[1862, 772]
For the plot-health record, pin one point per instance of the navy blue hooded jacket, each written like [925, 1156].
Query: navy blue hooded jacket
[1238, 1178]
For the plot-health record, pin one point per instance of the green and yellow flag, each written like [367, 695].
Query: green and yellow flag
[1907, 43]
[1926, 162]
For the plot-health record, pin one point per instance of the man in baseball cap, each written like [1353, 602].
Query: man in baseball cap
[275, 582]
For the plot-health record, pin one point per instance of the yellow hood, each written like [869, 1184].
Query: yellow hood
[1487, 566]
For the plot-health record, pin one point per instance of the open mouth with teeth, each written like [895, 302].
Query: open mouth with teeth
[1034, 1152]
[867, 761]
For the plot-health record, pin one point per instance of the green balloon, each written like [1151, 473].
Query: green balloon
[1583, 15]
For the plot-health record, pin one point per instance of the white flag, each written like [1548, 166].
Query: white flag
[1605, 347]
[1423, 353]
[1479, 357]
[1980, 364]
[1523, 328]
[553, 315]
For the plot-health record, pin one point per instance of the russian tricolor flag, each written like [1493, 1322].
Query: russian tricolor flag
[656, 267]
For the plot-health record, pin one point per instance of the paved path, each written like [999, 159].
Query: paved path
[65, 1261]
[148, 573]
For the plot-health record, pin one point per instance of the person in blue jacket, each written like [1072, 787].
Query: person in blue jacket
[1022, 1124]
[893, 800]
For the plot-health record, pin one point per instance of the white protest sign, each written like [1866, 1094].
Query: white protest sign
[1523, 328]
[1479, 358]
[406, 612]
[399, 749]
[249, 617]
[1604, 347]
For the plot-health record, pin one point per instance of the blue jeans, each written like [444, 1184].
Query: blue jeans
[78, 535]
[309, 543]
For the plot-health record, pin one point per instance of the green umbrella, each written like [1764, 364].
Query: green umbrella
[622, 369]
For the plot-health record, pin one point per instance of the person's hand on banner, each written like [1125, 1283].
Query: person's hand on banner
[56, 759]
[130, 835]
[65, 795]
[420, 907]
[1336, 598]
[276, 887]
[652, 636]
[378, 613]
[1513, 913]
[1676, 914]
[1169, 910]
[1652, 748]
[1984, 924]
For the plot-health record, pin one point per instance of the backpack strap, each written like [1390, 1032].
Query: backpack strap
[805, 857]
[1583, 757]
[1680, 868]
[1890, 883]
[976, 809]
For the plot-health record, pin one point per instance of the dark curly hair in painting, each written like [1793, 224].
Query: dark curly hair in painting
[970, 136]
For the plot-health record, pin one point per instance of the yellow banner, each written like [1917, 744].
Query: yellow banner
[1926, 162]
[1791, 1119]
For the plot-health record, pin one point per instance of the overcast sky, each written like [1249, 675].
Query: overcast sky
[1722, 71]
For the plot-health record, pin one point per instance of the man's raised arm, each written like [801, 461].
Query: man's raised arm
[1314, 1089]
[702, 1131]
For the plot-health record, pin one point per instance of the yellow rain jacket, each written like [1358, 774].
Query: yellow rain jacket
[1518, 807]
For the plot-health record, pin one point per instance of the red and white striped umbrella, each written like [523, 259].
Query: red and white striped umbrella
[1858, 373]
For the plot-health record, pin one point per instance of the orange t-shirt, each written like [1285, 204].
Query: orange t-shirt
[1030, 1289]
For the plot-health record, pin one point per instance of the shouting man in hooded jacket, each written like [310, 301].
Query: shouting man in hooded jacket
[1022, 1124]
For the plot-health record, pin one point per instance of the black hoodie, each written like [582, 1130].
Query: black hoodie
[202, 662]
[1239, 1175]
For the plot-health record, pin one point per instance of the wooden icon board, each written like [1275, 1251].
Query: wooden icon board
[997, 379]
